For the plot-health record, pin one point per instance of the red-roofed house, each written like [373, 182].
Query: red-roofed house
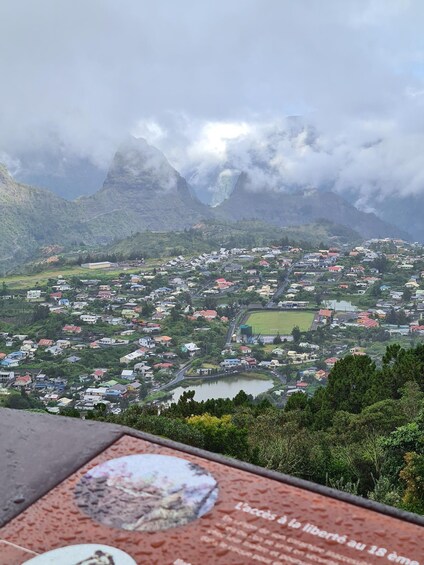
[45, 343]
[222, 284]
[301, 384]
[331, 361]
[163, 340]
[251, 361]
[207, 314]
[72, 329]
[324, 313]
[166, 366]
[368, 322]
[23, 380]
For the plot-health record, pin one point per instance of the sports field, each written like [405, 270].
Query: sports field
[273, 323]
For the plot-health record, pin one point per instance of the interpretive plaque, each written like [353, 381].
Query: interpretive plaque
[141, 502]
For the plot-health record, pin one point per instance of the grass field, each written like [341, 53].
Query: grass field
[273, 323]
[23, 281]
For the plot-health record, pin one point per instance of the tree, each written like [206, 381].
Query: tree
[382, 264]
[407, 295]
[277, 339]
[349, 383]
[147, 309]
[210, 303]
[413, 475]
[221, 435]
[175, 313]
[296, 333]
[40, 313]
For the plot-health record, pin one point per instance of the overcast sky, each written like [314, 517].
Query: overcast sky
[207, 80]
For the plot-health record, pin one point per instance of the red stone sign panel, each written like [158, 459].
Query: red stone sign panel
[139, 502]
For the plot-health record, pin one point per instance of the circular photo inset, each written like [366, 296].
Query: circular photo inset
[146, 492]
[85, 554]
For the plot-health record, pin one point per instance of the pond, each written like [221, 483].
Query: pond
[340, 306]
[225, 387]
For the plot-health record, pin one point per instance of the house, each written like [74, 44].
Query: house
[128, 374]
[45, 343]
[251, 361]
[63, 343]
[134, 386]
[190, 348]
[163, 340]
[73, 359]
[63, 402]
[163, 366]
[23, 380]
[230, 363]
[357, 351]
[207, 314]
[368, 322]
[6, 377]
[147, 342]
[325, 313]
[223, 284]
[412, 285]
[132, 356]
[142, 368]
[89, 318]
[94, 394]
[99, 373]
[54, 350]
[319, 375]
[72, 329]
[33, 295]
[117, 391]
[331, 361]
[151, 328]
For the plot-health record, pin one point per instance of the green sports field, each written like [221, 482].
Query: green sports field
[273, 323]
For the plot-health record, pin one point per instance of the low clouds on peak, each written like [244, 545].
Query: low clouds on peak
[211, 85]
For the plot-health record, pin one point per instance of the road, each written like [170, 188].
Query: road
[282, 288]
[236, 321]
[180, 376]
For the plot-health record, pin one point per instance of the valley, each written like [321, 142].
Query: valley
[265, 333]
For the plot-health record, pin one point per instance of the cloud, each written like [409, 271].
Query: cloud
[212, 84]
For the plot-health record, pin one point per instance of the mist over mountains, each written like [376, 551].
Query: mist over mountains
[286, 156]
[142, 191]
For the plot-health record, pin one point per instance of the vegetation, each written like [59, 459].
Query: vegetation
[363, 433]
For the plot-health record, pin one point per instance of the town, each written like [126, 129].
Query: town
[271, 321]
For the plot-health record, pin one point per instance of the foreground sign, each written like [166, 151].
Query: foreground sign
[139, 502]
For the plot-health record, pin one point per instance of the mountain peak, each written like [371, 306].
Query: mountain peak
[5, 176]
[137, 164]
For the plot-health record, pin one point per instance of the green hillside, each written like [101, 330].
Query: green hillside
[210, 235]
